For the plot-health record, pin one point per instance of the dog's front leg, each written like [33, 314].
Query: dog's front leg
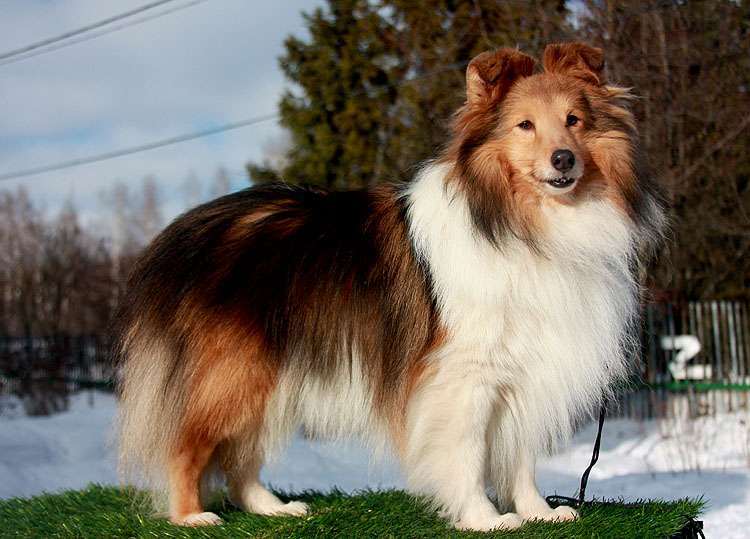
[446, 452]
[529, 503]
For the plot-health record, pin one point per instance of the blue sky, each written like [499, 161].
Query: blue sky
[210, 64]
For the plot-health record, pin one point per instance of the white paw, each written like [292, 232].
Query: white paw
[201, 519]
[558, 514]
[565, 513]
[296, 509]
[507, 521]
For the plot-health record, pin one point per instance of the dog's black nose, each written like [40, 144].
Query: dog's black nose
[563, 160]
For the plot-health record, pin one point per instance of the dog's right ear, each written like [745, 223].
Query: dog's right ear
[491, 74]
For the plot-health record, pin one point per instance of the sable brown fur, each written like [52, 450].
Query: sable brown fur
[235, 257]
[276, 279]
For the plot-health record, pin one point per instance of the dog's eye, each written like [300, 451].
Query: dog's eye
[572, 119]
[526, 125]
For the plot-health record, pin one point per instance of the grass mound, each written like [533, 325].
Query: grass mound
[108, 512]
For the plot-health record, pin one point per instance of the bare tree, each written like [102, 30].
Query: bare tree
[690, 62]
[21, 236]
[192, 189]
[151, 217]
[221, 183]
[54, 283]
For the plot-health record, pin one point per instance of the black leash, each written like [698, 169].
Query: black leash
[555, 500]
[693, 529]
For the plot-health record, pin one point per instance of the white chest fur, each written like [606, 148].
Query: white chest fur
[542, 316]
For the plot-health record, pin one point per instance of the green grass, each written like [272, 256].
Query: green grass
[107, 512]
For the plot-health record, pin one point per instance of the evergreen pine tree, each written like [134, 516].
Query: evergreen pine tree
[378, 82]
[335, 122]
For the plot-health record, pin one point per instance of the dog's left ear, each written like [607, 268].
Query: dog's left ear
[578, 59]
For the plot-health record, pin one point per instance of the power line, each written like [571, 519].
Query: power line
[81, 30]
[272, 116]
[65, 40]
[137, 149]
[218, 129]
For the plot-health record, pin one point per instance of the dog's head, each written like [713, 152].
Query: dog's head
[541, 120]
[560, 135]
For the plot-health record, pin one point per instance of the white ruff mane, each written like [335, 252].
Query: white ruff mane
[547, 329]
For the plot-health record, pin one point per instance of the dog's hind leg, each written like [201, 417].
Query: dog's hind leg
[229, 384]
[241, 463]
[187, 462]
[249, 494]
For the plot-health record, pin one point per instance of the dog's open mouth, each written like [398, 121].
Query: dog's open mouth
[561, 183]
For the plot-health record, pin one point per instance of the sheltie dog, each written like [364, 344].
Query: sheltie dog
[470, 317]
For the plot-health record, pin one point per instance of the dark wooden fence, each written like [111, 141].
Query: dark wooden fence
[43, 370]
[697, 352]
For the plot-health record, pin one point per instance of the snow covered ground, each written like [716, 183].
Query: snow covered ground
[665, 460]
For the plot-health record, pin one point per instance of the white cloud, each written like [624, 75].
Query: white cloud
[207, 65]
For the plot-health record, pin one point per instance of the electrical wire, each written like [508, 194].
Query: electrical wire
[83, 29]
[215, 130]
[137, 149]
[67, 39]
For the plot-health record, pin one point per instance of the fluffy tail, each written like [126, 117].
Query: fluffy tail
[149, 408]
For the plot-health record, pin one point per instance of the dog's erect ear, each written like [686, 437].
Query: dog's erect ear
[577, 59]
[491, 74]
